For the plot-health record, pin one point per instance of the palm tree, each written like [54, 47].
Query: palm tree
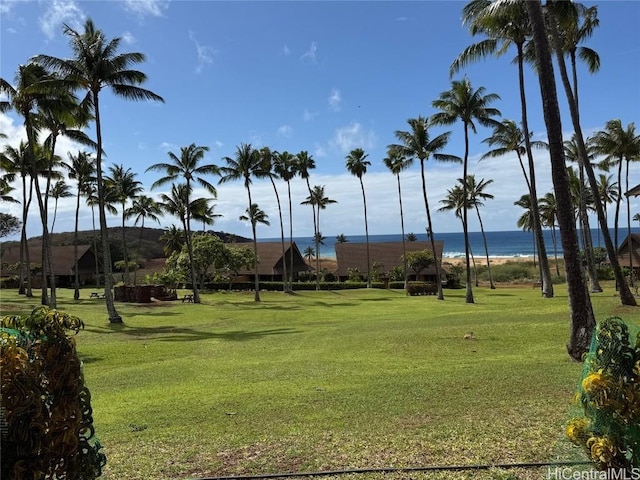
[203, 211]
[636, 218]
[285, 167]
[174, 239]
[341, 238]
[477, 195]
[319, 200]
[416, 143]
[412, 237]
[357, 165]
[188, 166]
[81, 169]
[143, 207]
[548, 211]
[572, 154]
[582, 317]
[303, 164]
[608, 192]
[464, 103]
[268, 166]
[255, 215]
[26, 98]
[124, 187]
[97, 64]
[309, 253]
[525, 221]
[245, 165]
[506, 24]
[396, 163]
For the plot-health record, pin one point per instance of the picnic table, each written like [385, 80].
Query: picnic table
[96, 295]
[188, 298]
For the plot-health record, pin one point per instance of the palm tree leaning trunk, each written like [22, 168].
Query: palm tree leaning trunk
[396, 162]
[507, 23]
[97, 65]
[417, 144]
[548, 210]
[318, 200]
[476, 195]
[143, 207]
[269, 159]
[303, 164]
[255, 215]
[463, 103]
[357, 165]
[626, 297]
[582, 317]
[284, 167]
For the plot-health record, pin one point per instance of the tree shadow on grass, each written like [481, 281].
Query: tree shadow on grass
[182, 334]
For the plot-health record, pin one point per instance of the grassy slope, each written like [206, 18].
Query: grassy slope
[324, 380]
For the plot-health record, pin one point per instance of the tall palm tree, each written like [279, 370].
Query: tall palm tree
[255, 215]
[477, 195]
[572, 154]
[15, 160]
[143, 207]
[463, 103]
[548, 211]
[285, 167]
[304, 163]
[357, 165]
[245, 165]
[505, 24]
[124, 187]
[525, 221]
[309, 253]
[96, 64]
[416, 143]
[582, 317]
[319, 201]
[58, 190]
[173, 238]
[268, 167]
[81, 169]
[27, 97]
[187, 166]
[202, 210]
[396, 162]
[608, 192]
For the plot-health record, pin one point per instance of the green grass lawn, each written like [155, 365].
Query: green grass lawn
[330, 380]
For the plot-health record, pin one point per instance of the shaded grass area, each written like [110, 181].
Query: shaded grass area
[330, 380]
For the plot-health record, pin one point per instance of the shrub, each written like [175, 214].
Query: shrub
[47, 423]
[9, 282]
[422, 288]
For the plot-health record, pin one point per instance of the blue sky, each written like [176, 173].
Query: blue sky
[325, 77]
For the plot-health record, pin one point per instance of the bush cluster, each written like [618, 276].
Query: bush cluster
[422, 288]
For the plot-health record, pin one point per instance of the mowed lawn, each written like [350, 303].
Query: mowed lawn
[330, 380]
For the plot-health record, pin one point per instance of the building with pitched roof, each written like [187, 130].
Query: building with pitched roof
[270, 260]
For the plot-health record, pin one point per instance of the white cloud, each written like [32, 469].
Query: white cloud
[402, 19]
[7, 5]
[311, 54]
[205, 53]
[128, 38]
[335, 99]
[167, 146]
[308, 116]
[285, 131]
[218, 144]
[319, 151]
[353, 136]
[59, 12]
[286, 51]
[142, 8]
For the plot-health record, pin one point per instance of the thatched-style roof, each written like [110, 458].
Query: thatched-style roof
[624, 251]
[270, 258]
[354, 255]
[62, 258]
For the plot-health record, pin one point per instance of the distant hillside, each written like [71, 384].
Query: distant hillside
[152, 245]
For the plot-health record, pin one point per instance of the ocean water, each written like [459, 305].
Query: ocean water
[513, 243]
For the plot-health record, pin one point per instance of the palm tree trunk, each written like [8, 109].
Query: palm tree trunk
[465, 229]
[290, 237]
[586, 236]
[626, 297]
[24, 244]
[135, 272]
[125, 253]
[582, 317]
[76, 283]
[486, 249]
[104, 231]
[317, 241]
[284, 260]
[404, 248]
[255, 250]
[366, 231]
[47, 245]
[187, 231]
[95, 247]
[547, 284]
[626, 188]
[430, 227]
[616, 217]
[555, 247]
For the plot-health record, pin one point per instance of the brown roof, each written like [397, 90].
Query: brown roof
[354, 255]
[62, 257]
[270, 257]
[623, 251]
